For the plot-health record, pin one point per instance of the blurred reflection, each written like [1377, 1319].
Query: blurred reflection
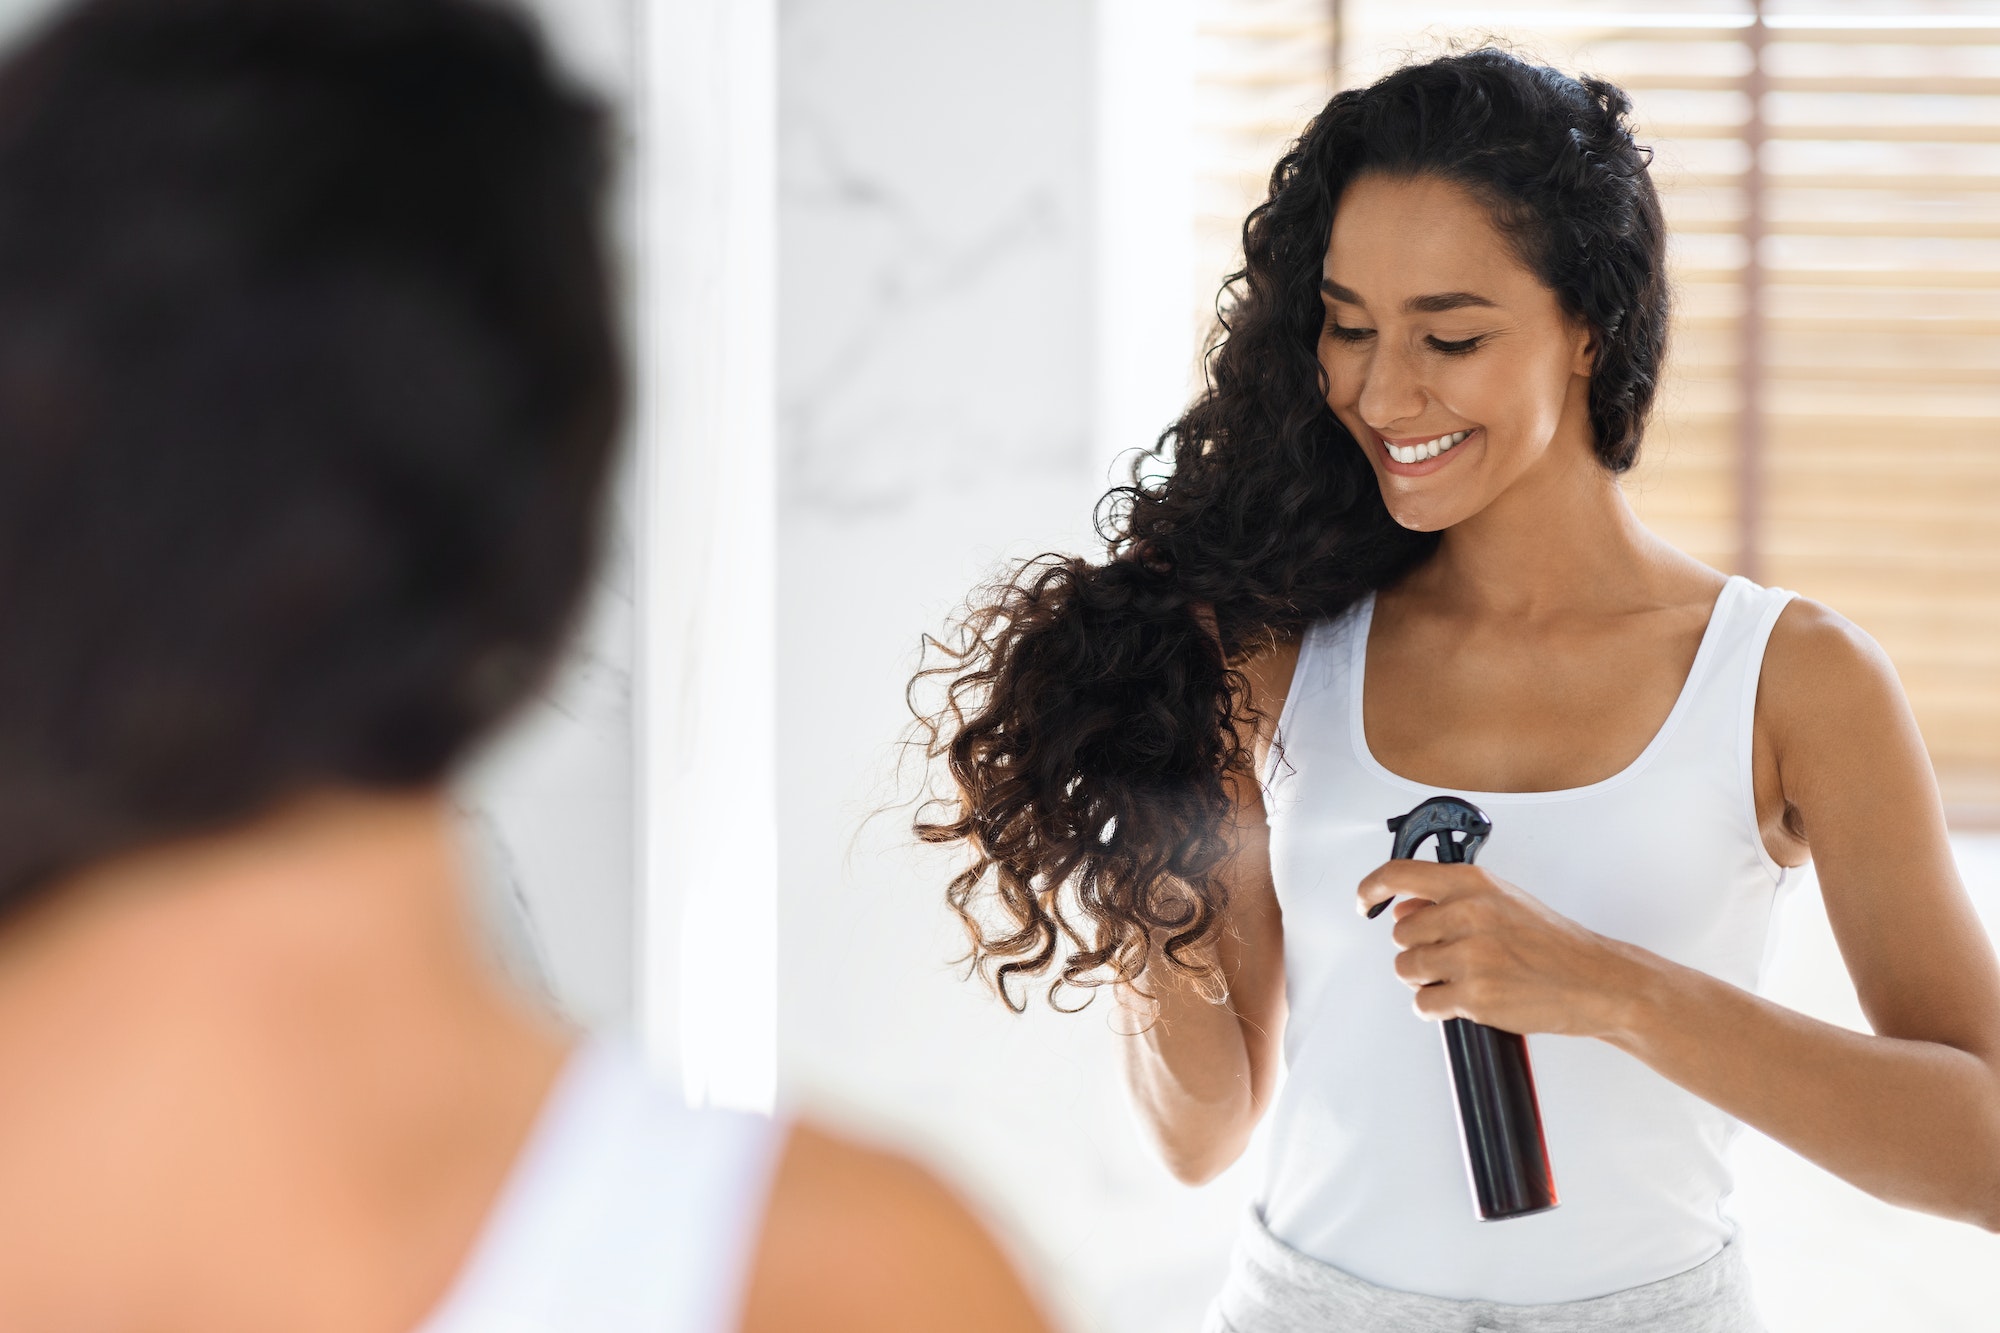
[308, 389]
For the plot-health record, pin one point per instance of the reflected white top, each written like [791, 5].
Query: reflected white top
[626, 1213]
[1365, 1167]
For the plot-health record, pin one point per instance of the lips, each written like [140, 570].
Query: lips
[1419, 457]
[1416, 451]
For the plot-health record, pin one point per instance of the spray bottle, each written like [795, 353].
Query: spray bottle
[1506, 1155]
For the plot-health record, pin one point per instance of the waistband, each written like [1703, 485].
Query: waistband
[1273, 1288]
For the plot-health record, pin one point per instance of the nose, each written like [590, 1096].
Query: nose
[1392, 389]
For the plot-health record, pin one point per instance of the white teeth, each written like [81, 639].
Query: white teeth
[1417, 453]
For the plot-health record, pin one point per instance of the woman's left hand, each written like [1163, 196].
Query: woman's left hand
[1474, 946]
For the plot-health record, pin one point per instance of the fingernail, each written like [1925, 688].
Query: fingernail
[1376, 910]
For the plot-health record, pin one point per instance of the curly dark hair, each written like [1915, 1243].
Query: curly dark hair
[309, 387]
[1089, 721]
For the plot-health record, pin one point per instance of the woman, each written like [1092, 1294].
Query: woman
[1403, 473]
[308, 393]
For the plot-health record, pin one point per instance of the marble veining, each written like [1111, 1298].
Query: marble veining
[932, 252]
[549, 808]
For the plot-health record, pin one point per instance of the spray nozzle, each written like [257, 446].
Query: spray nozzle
[1459, 826]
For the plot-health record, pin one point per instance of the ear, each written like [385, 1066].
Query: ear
[1583, 358]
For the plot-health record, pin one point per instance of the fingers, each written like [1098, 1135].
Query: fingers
[1441, 1001]
[1425, 965]
[1436, 973]
[1418, 879]
[1420, 922]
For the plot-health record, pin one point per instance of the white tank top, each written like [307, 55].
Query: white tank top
[1365, 1170]
[626, 1213]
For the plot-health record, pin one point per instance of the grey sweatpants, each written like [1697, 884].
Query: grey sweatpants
[1272, 1288]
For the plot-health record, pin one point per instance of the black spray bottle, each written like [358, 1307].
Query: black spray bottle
[1506, 1155]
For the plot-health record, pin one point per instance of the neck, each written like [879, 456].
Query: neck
[1562, 538]
[264, 1079]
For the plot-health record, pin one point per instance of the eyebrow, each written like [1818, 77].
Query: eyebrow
[1434, 304]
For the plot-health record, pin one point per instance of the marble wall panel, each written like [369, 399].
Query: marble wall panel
[936, 417]
[549, 808]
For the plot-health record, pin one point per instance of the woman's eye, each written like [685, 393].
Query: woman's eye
[1335, 329]
[1459, 348]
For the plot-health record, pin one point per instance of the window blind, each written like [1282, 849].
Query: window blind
[1262, 69]
[1831, 175]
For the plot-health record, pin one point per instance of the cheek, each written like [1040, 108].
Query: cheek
[1493, 395]
[1343, 374]
[1510, 395]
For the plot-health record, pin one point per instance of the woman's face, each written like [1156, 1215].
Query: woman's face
[1452, 364]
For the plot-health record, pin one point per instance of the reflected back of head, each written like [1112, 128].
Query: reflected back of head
[308, 389]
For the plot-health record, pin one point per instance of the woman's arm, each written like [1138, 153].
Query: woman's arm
[1910, 1114]
[1202, 1072]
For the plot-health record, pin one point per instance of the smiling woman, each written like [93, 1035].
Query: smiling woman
[1391, 559]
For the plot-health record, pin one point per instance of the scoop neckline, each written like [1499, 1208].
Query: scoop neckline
[1364, 621]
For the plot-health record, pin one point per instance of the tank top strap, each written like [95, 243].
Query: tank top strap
[626, 1212]
[1717, 729]
[1319, 694]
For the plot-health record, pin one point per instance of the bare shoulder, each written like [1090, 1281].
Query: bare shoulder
[1819, 659]
[1269, 667]
[1840, 731]
[1268, 671]
[860, 1239]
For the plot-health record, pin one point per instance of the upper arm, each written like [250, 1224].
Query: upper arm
[861, 1241]
[1855, 776]
[1253, 945]
[1267, 676]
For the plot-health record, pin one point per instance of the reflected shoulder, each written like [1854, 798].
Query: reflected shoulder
[856, 1238]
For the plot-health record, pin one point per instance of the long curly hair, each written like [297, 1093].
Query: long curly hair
[1090, 710]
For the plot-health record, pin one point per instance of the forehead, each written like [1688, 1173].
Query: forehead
[1396, 237]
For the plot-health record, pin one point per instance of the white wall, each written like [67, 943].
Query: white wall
[936, 366]
[550, 807]
[17, 16]
[707, 658]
